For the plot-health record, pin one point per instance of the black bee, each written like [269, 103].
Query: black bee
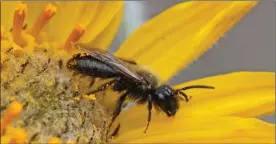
[135, 83]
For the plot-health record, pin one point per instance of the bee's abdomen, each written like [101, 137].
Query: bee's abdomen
[92, 67]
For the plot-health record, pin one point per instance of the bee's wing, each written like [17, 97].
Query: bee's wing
[113, 62]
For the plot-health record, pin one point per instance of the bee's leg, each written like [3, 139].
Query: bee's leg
[149, 110]
[102, 87]
[115, 132]
[117, 110]
[92, 82]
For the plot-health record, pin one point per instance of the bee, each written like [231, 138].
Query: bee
[135, 83]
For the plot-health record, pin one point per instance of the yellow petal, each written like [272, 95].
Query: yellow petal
[246, 94]
[65, 20]
[202, 130]
[34, 10]
[7, 11]
[230, 83]
[104, 39]
[106, 12]
[89, 12]
[181, 34]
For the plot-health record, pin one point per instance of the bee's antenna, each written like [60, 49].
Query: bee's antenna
[197, 86]
[182, 93]
[179, 91]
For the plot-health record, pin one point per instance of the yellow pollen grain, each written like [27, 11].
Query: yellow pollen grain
[12, 98]
[76, 88]
[77, 98]
[21, 8]
[50, 83]
[54, 140]
[13, 111]
[75, 35]
[48, 12]
[89, 97]
[18, 20]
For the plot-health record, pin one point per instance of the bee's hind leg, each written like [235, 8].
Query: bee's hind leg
[149, 114]
[117, 110]
[103, 87]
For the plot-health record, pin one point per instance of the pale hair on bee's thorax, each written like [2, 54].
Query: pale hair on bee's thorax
[149, 75]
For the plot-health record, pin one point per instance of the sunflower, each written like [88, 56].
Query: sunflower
[36, 38]
[227, 114]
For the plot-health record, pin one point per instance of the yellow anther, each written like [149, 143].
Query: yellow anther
[75, 35]
[54, 140]
[18, 20]
[15, 108]
[48, 12]
[13, 111]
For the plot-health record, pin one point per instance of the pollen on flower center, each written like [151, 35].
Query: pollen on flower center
[48, 12]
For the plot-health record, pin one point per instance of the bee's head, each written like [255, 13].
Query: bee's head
[72, 63]
[165, 99]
